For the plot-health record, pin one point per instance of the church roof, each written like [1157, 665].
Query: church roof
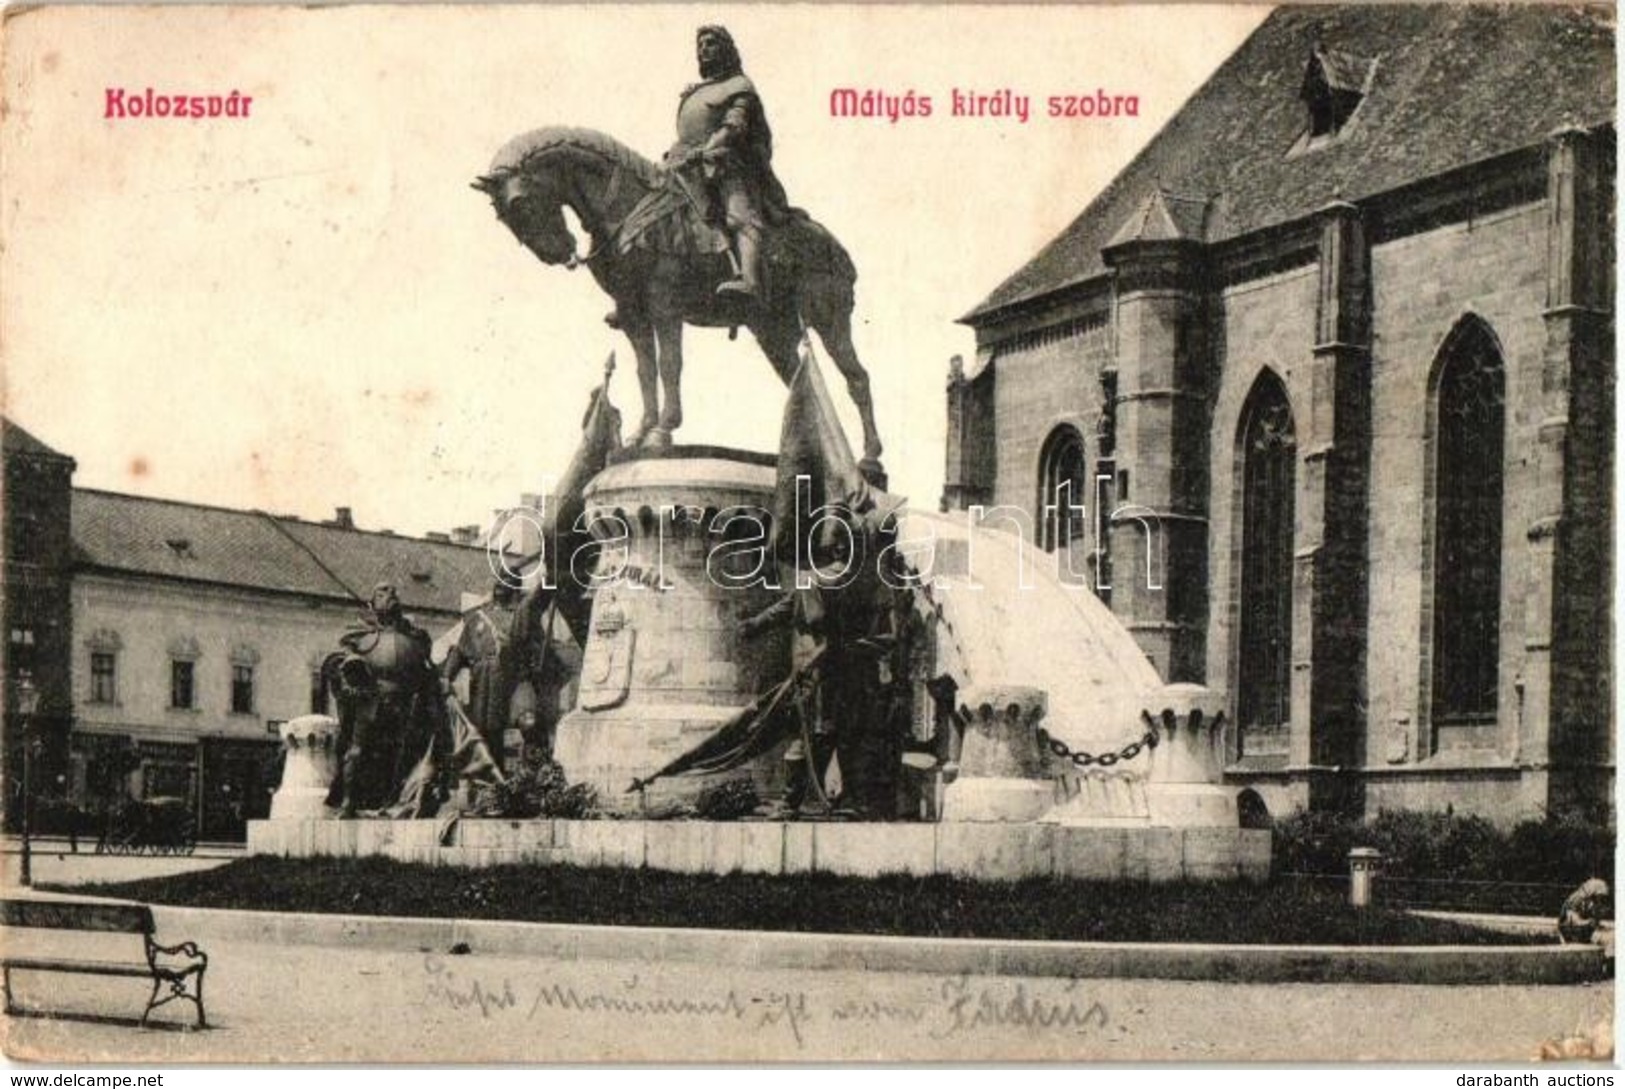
[1443, 85]
[160, 538]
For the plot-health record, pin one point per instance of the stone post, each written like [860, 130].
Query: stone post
[1002, 774]
[1364, 862]
[1186, 773]
[308, 771]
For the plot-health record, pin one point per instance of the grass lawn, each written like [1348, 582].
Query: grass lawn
[1043, 909]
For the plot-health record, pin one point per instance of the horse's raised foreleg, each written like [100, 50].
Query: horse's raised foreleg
[642, 335]
[835, 330]
[669, 340]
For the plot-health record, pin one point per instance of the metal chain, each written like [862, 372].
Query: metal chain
[1053, 744]
[1105, 759]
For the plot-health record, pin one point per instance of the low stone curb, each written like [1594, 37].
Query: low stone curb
[1434, 965]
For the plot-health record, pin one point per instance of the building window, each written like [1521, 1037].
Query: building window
[1063, 489]
[1333, 85]
[1268, 481]
[182, 691]
[103, 677]
[25, 537]
[20, 650]
[242, 689]
[1468, 480]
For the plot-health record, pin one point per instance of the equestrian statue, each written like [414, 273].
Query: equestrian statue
[707, 238]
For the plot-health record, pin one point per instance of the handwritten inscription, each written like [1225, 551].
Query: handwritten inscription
[989, 1005]
[959, 1006]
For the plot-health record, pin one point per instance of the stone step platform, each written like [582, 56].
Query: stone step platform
[964, 849]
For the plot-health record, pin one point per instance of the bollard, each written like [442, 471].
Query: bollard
[1363, 865]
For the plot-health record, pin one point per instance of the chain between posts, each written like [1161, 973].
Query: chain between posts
[1106, 759]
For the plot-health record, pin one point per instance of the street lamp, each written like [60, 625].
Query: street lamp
[27, 702]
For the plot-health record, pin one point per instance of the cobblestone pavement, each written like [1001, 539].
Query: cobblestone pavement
[312, 1004]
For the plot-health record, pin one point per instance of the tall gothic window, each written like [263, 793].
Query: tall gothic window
[1467, 489]
[1268, 477]
[1063, 491]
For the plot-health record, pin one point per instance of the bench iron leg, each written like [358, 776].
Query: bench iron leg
[151, 1002]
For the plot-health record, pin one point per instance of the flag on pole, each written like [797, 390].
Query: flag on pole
[817, 470]
[563, 542]
[816, 466]
[467, 757]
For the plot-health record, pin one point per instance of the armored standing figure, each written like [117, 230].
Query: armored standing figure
[513, 672]
[485, 649]
[542, 674]
[808, 756]
[724, 153]
[388, 701]
[865, 689]
[849, 631]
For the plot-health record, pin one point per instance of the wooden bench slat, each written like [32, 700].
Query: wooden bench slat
[102, 968]
[88, 967]
[77, 915]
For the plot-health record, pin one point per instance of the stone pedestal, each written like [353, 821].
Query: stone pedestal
[664, 667]
[1101, 798]
[1002, 773]
[307, 772]
[1186, 772]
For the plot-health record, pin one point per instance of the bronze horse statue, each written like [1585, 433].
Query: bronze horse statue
[660, 262]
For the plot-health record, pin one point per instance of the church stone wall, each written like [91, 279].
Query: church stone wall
[1422, 286]
[1040, 382]
[1266, 324]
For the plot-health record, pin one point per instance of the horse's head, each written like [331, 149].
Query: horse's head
[533, 213]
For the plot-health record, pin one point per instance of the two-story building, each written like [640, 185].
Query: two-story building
[198, 630]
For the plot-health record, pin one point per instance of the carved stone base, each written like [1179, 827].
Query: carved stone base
[1101, 799]
[609, 749]
[665, 665]
[307, 773]
[1193, 805]
[998, 800]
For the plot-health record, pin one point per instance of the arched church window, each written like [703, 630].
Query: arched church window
[1268, 452]
[1063, 490]
[1468, 483]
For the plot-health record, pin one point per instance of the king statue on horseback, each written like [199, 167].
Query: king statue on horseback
[724, 156]
[706, 238]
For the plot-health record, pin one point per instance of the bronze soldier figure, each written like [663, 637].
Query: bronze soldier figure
[849, 629]
[484, 649]
[724, 150]
[515, 677]
[388, 699]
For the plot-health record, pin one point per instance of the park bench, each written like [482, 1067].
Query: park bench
[179, 968]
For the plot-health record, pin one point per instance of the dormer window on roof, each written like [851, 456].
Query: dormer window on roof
[1334, 84]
